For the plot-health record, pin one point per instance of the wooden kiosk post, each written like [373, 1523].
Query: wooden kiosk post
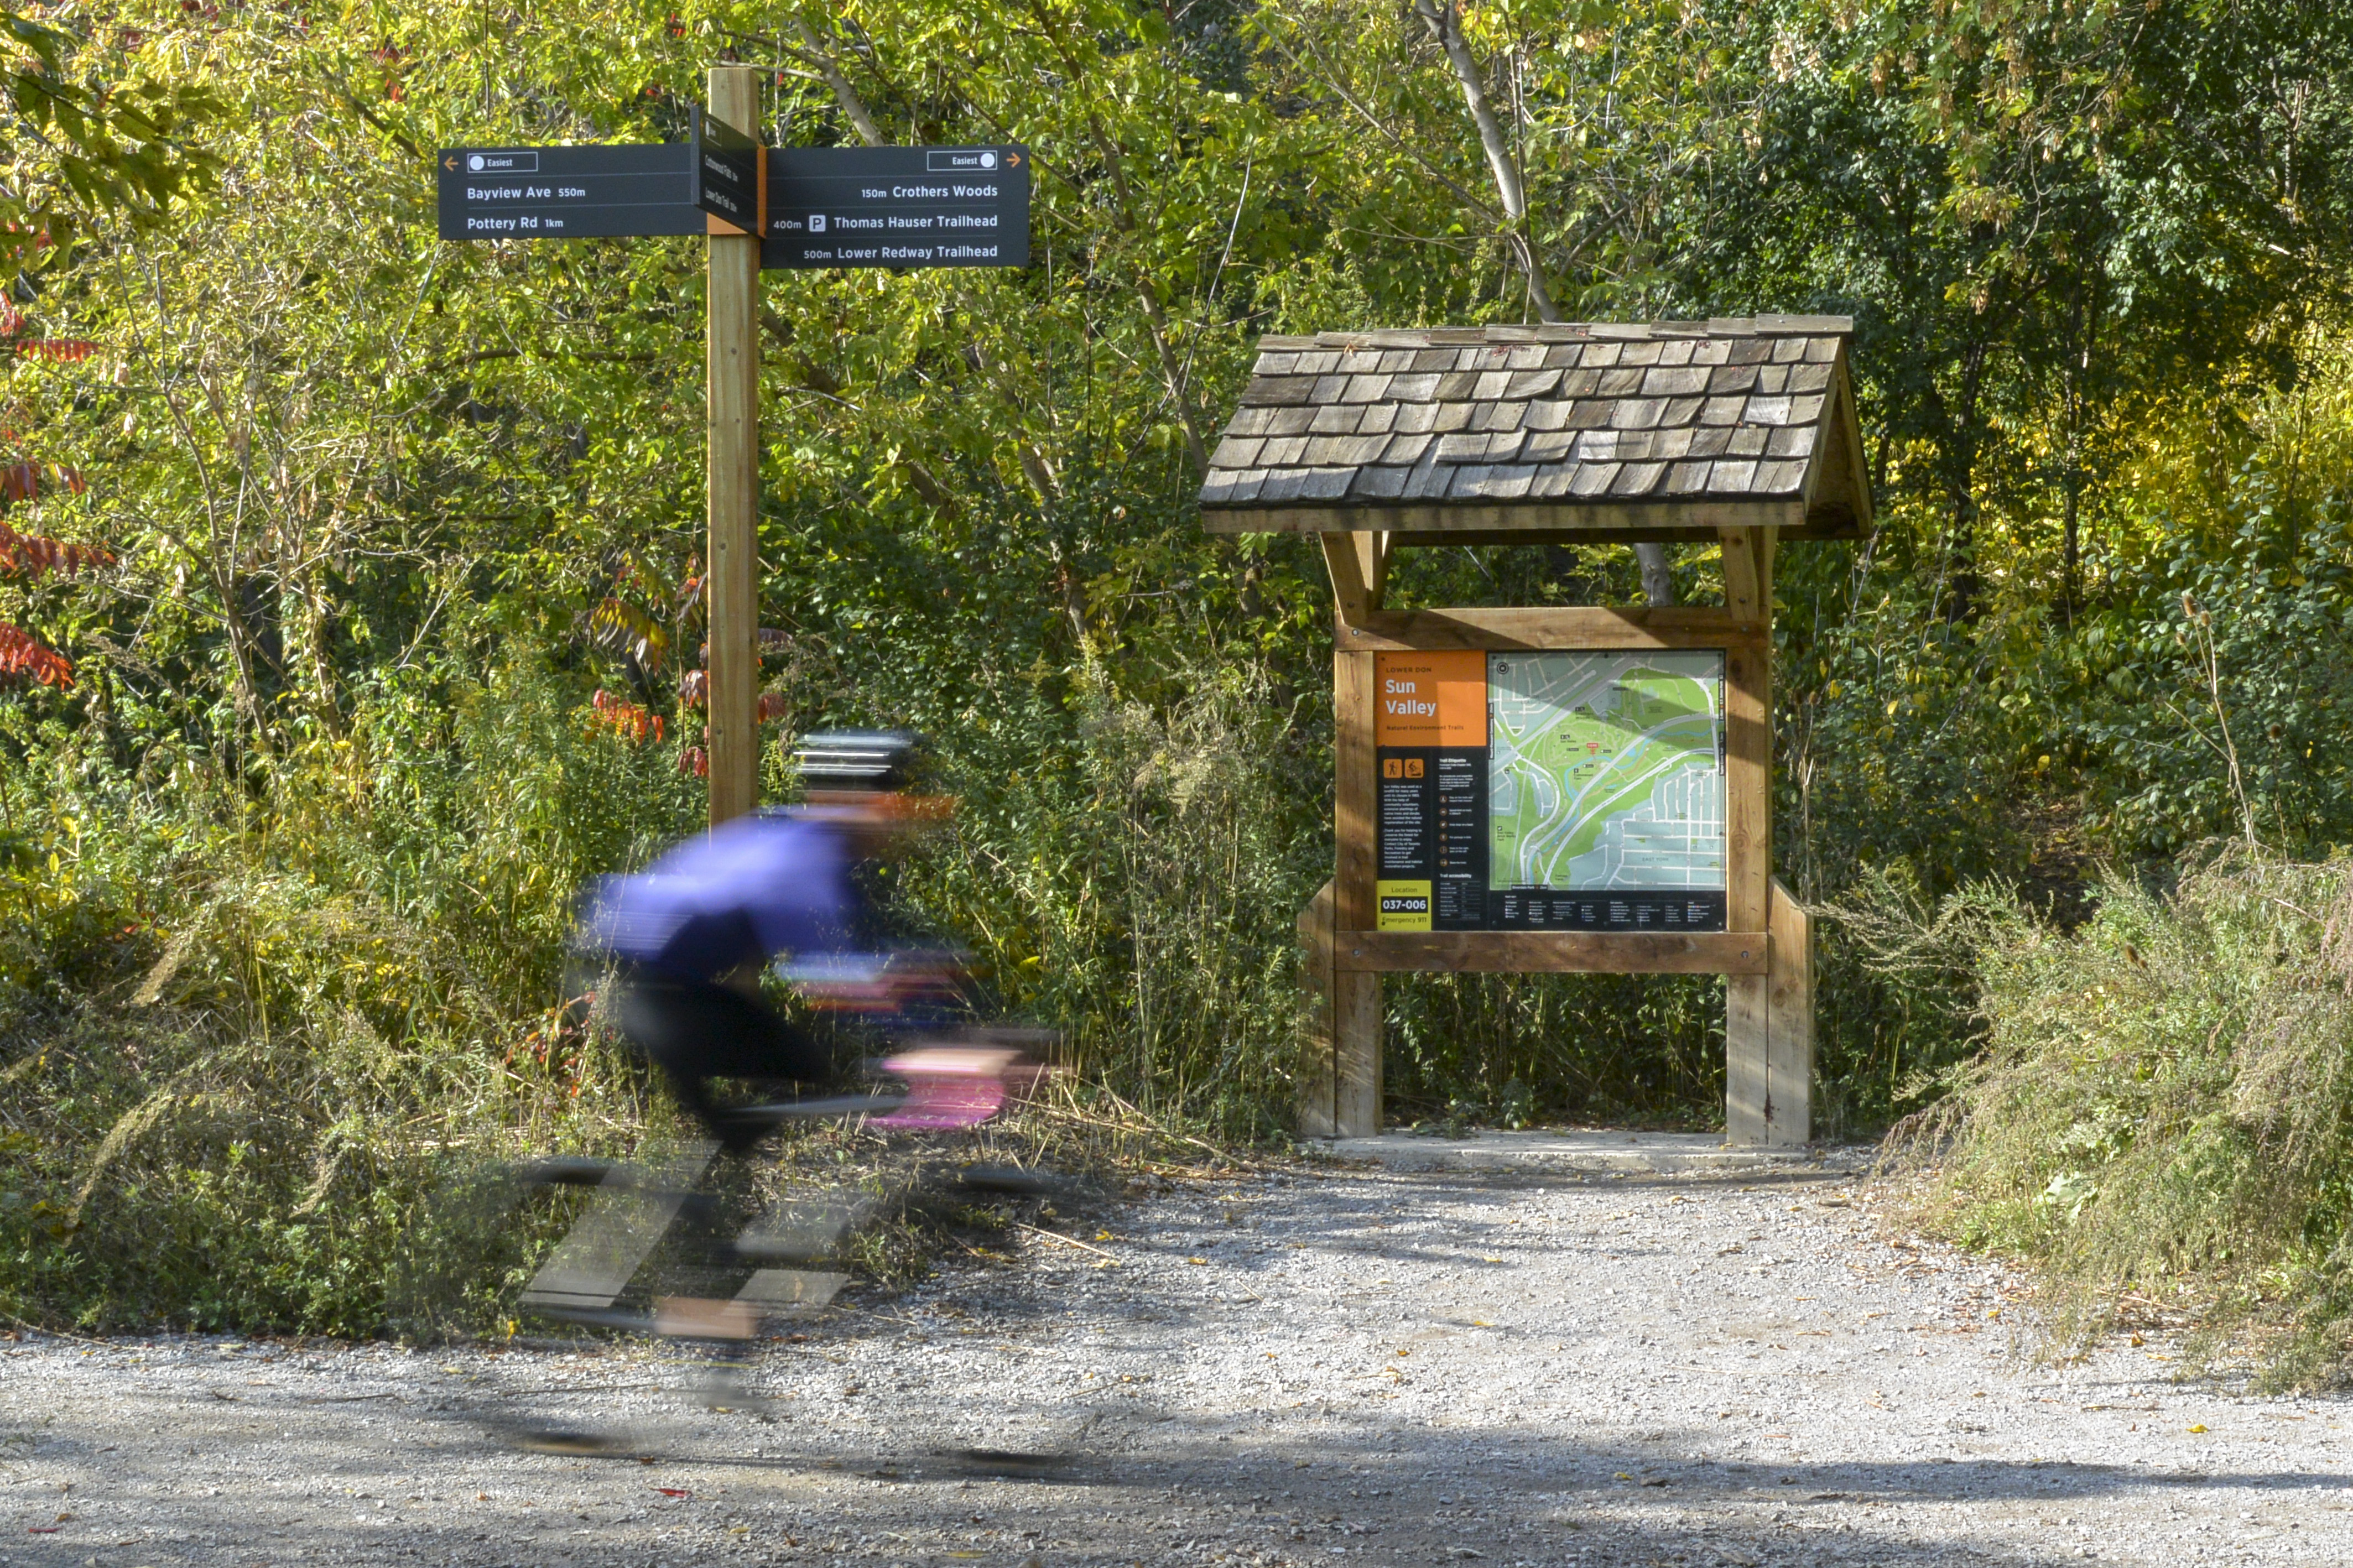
[1657, 856]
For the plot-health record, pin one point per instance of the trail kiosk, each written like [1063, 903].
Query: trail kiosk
[1553, 789]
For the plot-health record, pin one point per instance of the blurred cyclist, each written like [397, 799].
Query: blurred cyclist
[690, 935]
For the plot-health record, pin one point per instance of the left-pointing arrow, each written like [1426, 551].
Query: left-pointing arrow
[449, 163]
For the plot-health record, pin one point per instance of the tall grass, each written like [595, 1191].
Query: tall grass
[255, 1041]
[1140, 891]
[2161, 1117]
[247, 1046]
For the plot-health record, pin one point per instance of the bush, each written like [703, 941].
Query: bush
[249, 1123]
[2161, 1117]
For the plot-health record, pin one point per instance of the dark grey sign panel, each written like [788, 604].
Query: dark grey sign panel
[567, 193]
[897, 206]
[727, 165]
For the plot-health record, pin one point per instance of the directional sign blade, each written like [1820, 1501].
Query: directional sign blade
[567, 193]
[897, 206]
[728, 166]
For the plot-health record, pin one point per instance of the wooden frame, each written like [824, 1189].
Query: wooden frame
[1765, 951]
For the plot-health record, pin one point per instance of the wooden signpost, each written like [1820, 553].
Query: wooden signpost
[1553, 789]
[761, 209]
[731, 494]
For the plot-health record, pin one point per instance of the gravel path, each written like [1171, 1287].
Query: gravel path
[1320, 1367]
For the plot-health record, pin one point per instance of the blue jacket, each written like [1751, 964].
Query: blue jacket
[755, 887]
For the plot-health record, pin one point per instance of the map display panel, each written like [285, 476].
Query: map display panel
[1606, 771]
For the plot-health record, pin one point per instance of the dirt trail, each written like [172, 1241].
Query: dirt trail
[1313, 1368]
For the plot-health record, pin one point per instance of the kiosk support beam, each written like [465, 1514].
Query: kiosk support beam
[1790, 1024]
[731, 368]
[1360, 565]
[1749, 1080]
[1356, 995]
[1319, 1077]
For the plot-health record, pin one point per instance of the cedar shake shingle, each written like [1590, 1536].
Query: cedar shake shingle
[1553, 414]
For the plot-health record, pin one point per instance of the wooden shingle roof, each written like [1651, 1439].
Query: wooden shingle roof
[1663, 430]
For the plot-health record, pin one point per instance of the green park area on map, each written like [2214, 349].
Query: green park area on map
[1606, 770]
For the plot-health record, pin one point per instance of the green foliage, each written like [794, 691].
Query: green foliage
[1140, 889]
[2161, 1117]
[391, 512]
[87, 145]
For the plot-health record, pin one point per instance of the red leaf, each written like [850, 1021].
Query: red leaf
[23, 481]
[57, 351]
[673, 1491]
[623, 718]
[32, 555]
[21, 653]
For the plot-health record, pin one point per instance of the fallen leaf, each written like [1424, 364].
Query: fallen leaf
[673, 1491]
[2199, 1427]
[40, 1530]
[1199, 1260]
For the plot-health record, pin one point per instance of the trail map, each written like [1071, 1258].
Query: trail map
[1607, 769]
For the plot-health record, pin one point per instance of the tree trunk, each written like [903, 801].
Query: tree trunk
[1444, 23]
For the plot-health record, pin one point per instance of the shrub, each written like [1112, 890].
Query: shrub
[2161, 1117]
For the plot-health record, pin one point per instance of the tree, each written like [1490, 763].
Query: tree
[79, 151]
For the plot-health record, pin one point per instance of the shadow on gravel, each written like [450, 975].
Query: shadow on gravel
[1365, 1218]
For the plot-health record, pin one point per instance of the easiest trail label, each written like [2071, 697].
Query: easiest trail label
[1550, 790]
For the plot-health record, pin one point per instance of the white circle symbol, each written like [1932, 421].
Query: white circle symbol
[988, 160]
[475, 163]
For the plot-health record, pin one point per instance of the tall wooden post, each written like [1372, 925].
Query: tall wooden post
[1319, 1074]
[1356, 993]
[1749, 1111]
[732, 371]
[1790, 1024]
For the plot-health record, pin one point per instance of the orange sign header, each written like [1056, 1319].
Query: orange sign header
[1430, 698]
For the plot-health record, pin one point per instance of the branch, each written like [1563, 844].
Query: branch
[844, 94]
[1461, 192]
[1444, 24]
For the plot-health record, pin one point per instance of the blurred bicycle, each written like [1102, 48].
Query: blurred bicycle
[662, 1249]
